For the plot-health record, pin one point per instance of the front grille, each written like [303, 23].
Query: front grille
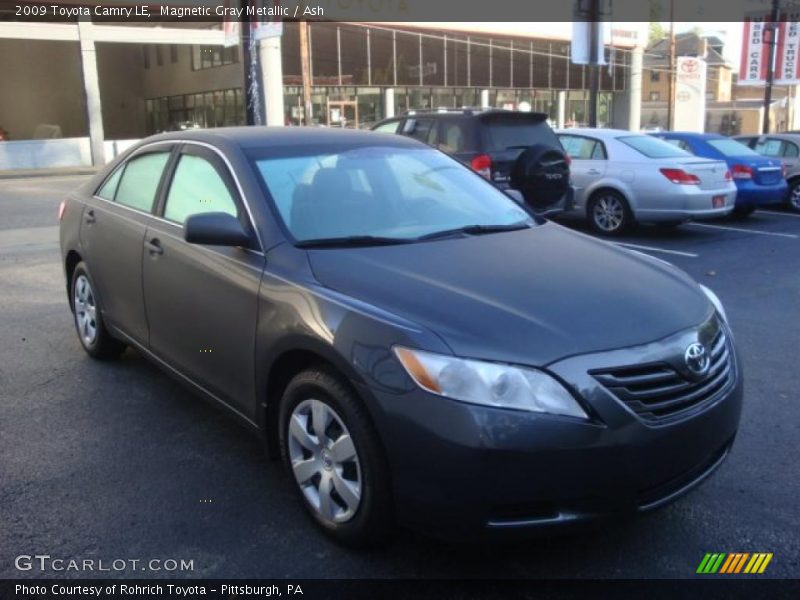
[657, 392]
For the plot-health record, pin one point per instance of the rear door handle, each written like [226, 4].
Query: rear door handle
[154, 246]
[89, 217]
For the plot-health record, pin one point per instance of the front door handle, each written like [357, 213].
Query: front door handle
[593, 172]
[154, 246]
[89, 216]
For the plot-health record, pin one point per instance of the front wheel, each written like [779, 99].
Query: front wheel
[793, 199]
[609, 213]
[336, 460]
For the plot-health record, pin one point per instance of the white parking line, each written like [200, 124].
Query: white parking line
[651, 249]
[778, 214]
[743, 230]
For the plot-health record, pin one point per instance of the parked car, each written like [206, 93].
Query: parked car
[621, 178]
[415, 344]
[759, 180]
[514, 150]
[784, 147]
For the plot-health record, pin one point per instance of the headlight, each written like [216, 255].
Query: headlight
[490, 384]
[715, 301]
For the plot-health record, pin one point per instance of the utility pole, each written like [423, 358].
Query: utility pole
[671, 99]
[250, 104]
[594, 60]
[772, 28]
[306, 71]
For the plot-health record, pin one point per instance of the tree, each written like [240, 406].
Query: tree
[656, 32]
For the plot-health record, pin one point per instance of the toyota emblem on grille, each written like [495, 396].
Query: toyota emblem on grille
[697, 359]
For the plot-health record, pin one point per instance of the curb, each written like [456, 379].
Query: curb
[35, 173]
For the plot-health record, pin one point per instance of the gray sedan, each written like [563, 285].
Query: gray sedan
[622, 178]
[786, 148]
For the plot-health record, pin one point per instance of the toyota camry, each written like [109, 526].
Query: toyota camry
[417, 346]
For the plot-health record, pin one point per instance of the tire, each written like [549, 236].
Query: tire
[541, 174]
[609, 213]
[357, 511]
[793, 198]
[88, 318]
[742, 212]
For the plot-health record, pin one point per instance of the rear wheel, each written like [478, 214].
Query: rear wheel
[91, 329]
[793, 199]
[609, 213]
[742, 212]
[337, 463]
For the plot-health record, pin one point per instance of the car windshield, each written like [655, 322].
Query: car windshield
[652, 147]
[383, 193]
[731, 148]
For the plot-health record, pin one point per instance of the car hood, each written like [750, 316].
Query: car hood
[528, 297]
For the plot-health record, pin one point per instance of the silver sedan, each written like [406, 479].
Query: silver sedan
[621, 178]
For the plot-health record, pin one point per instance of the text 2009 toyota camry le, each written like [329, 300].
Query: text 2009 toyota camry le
[415, 345]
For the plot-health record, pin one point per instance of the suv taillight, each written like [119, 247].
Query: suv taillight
[569, 159]
[61, 208]
[741, 172]
[680, 176]
[482, 165]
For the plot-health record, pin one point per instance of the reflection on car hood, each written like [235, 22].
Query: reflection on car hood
[528, 297]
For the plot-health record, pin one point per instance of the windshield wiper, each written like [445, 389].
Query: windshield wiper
[351, 241]
[476, 230]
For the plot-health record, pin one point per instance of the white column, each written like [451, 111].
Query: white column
[388, 103]
[562, 108]
[635, 90]
[91, 87]
[484, 98]
[269, 50]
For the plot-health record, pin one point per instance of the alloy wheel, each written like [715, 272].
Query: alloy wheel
[324, 461]
[608, 213]
[794, 197]
[85, 310]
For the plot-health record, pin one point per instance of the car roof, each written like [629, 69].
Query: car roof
[257, 136]
[600, 133]
[690, 134]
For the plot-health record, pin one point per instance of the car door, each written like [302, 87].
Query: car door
[112, 234]
[589, 163]
[201, 301]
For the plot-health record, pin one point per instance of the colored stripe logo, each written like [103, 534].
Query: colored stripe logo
[734, 562]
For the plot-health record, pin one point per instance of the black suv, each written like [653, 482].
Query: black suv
[512, 149]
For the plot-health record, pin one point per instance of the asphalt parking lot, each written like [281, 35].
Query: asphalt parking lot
[115, 460]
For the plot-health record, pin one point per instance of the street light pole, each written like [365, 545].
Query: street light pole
[772, 28]
[306, 72]
[594, 60]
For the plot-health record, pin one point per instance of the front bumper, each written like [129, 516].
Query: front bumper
[462, 470]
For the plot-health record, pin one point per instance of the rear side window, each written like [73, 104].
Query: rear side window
[139, 182]
[457, 136]
[390, 127]
[420, 129]
[652, 147]
[197, 188]
[504, 132]
[109, 188]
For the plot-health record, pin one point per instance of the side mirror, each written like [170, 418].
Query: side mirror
[215, 229]
[515, 195]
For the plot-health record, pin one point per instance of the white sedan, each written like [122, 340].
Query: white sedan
[622, 177]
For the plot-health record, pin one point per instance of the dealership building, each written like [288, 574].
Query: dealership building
[78, 92]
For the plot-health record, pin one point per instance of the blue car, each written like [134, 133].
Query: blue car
[759, 180]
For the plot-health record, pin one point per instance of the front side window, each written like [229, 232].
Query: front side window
[139, 182]
[197, 188]
[398, 193]
[652, 147]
